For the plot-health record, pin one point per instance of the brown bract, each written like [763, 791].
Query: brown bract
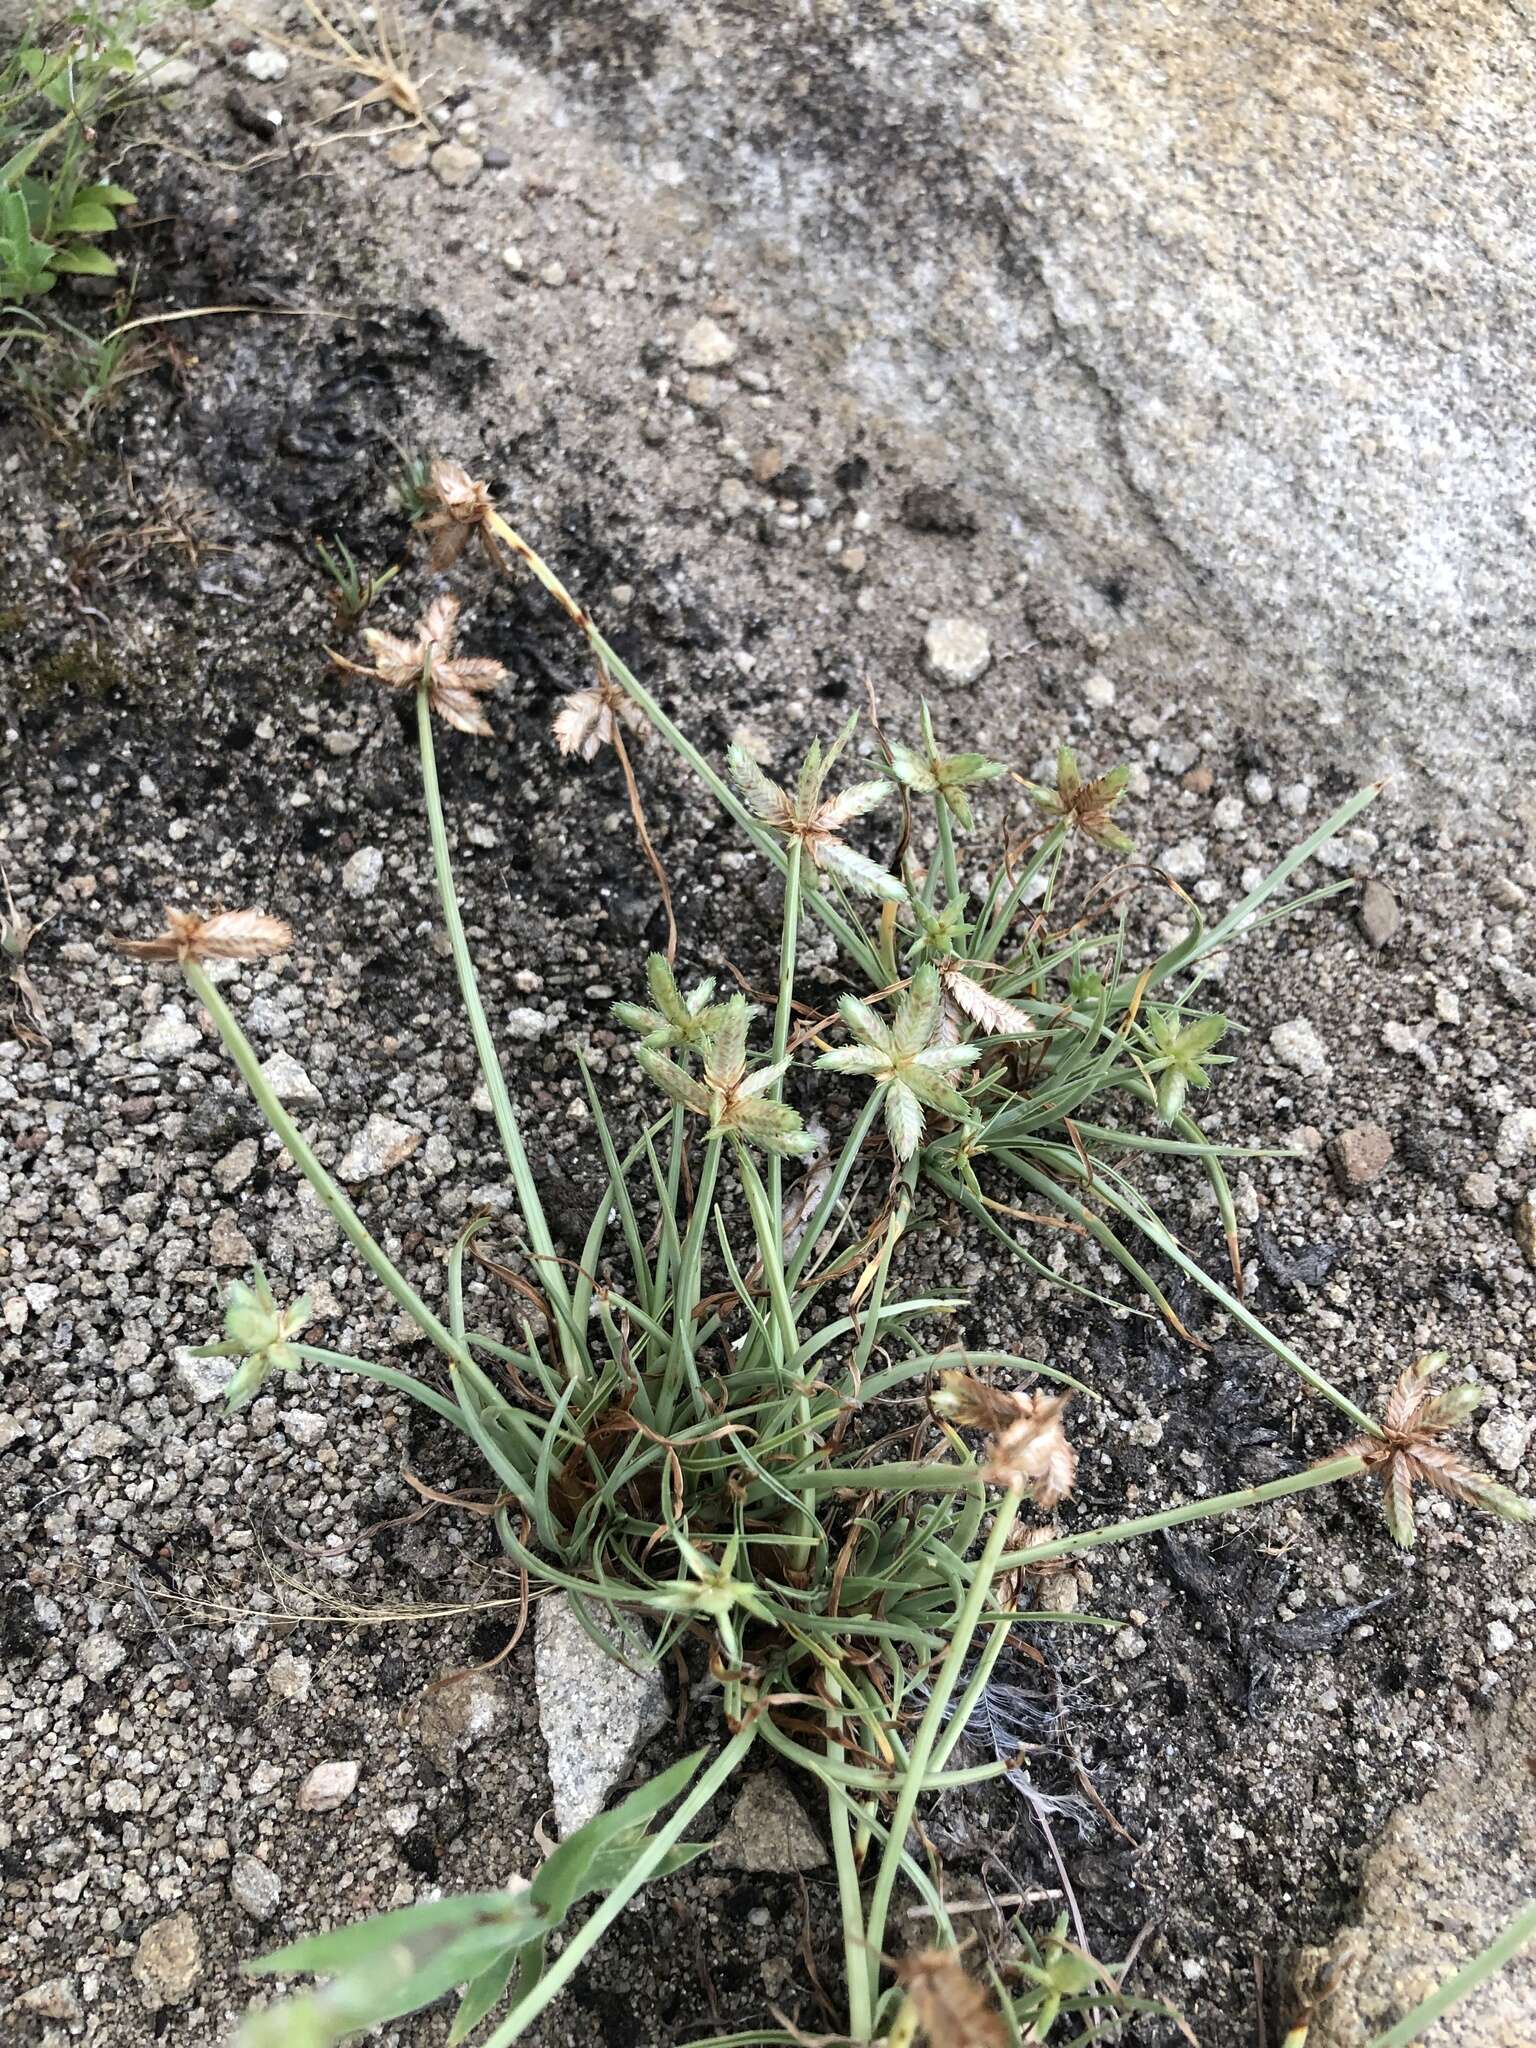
[454, 683]
[1409, 1449]
[588, 719]
[1029, 1452]
[227, 935]
[461, 508]
[953, 2010]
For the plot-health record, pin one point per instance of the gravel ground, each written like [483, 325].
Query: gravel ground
[201, 1611]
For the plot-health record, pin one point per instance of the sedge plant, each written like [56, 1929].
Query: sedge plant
[702, 1428]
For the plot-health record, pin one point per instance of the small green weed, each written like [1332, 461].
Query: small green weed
[721, 1426]
[353, 590]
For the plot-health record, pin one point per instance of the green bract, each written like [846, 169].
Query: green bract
[816, 821]
[905, 1059]
[259, 1332]
[734, 1100]
[678, 1023]
[1181, 1056]
[931, 773]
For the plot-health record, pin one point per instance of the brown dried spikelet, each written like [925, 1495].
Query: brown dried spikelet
[454, 683]
[953, 2010]
[1409, 1450]
[1029, 1452]
[588, 719]
[227, 935]
[462, 507]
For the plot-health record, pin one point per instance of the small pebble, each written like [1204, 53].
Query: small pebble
[1360, 1155]
[168, 1962]
[1378, 914]
[456, 165]
[706, 346]
[379, 1147]
[255, 1887]
[1296, 1045]
[170, 1036]
[328, 1786]
[1185, 861]
[363, 872]
[957, 651]
[266, 65]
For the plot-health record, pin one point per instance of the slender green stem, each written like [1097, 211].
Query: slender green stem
[1192, 1511]
[848, 1158]
[386, 1376]
[372, 1254]
[681, 1361]
[932, 1727]
[947, 849]
[1508, 1945]
[547, 1266]
[649, 1860]
[785, 1006]
[901, 1210]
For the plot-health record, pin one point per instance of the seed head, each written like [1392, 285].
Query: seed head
[817, 821]
[460, 508]
[735, 1101]
[931, 773]
[259, 1333]
[588, 719]
[1085, 805]
[1029, 1452]
[454, 683]
[227, 935]
[1409, 1449]
[906, 1058]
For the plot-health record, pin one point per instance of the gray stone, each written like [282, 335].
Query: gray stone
[1427, 1907]
[99, 1656]
[1296, 1045]
[409, 152]
[57, 1999]
[460, 1712]
[526, 1023]
[595, 1713]
[1503, 1437]
[1378, 914]
[363, 872]
[304, 1427]
[170, 1036]
[328, 1786]
[289, 1677]
[266, 65]
[1516, 1139]
[379, 1147]
[289, 1082]
[1189, 218]
[768, 1830]
[1185, 861]
[1360, 1155]
[957, 651]
[456, 165]
[706, 346]
[255, 1888]
[168, 1962]
[204, 1378]
[237, 1165]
